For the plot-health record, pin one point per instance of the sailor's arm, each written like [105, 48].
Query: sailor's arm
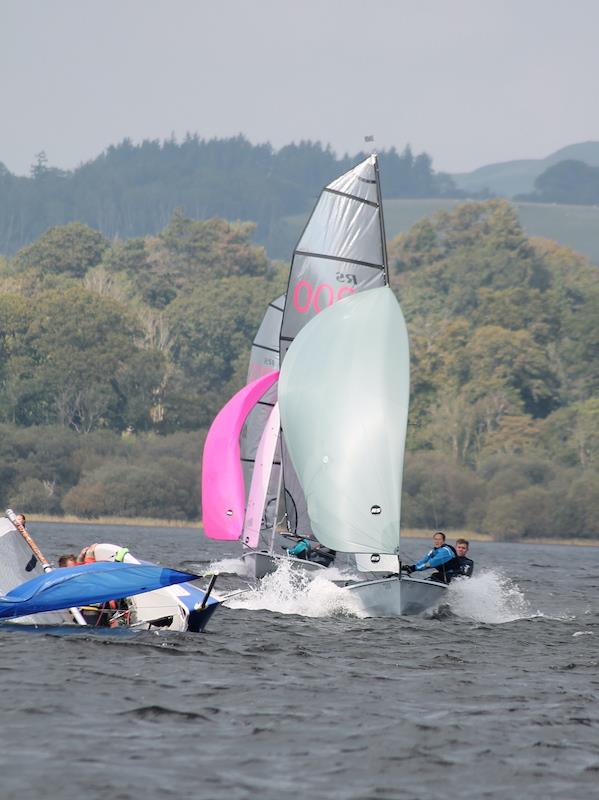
[440, 556]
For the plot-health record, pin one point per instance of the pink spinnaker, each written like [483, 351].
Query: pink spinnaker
[223, 491]
[261, 478]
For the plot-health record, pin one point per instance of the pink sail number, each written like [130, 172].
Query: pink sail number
[306, 297]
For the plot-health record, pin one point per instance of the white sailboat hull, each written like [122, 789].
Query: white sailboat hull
[397, 596]
[261, 563]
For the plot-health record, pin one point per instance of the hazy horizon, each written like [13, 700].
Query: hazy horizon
[469, 83]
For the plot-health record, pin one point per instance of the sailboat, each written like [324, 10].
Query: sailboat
[151, 596]
[343, 390]
[338, 273]
[340, 253]
[242, 482]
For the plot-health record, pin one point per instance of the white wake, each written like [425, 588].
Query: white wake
[291, 590]
[488, 597]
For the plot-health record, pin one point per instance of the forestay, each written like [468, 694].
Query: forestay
[340, 253]
[343, 396]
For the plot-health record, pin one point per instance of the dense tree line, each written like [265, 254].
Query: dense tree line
[132, 190]
[569, 181]
[115, 357]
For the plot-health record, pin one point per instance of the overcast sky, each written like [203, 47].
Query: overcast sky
[471, 82]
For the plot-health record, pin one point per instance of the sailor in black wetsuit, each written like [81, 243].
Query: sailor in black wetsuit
[465, 564]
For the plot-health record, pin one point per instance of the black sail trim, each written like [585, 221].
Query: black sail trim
[352, 197]
[339, 258]
[265, 347]
[253, 461]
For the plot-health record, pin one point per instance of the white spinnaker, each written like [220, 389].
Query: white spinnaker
[263, 466]
[343, 396]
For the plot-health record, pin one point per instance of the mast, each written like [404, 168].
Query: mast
[381, 217]
[276, 514]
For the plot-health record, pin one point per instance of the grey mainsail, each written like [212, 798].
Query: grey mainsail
[341, 252]
[264, 358]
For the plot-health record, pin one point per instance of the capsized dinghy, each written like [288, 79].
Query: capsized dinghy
[182, 606]
[84, 584]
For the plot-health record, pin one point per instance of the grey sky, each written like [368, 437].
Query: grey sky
[469, 81]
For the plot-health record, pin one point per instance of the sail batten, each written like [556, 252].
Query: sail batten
[351, 196]
[339, 258]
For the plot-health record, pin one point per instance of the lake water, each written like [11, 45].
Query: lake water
[289, 694]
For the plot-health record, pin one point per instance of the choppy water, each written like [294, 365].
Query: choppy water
[290, 695]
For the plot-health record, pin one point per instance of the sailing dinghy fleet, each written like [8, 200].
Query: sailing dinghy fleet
[337, 379]
[314, 442]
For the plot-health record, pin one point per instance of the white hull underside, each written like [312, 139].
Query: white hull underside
[397, 597]
[263, 563]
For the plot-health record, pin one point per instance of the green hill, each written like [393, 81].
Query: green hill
[517, 177]
[570, 225]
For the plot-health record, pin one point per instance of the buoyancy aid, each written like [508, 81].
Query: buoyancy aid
[448, 570]
[465, 566]
[322, 555]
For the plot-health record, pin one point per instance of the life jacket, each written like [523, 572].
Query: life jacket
[445, 572]
[465, 566]
[322, 555]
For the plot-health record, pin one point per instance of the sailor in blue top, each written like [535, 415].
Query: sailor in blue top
[442, 557]
[311, 550]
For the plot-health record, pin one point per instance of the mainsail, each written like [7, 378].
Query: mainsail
[223, 491]
[340, 253]
[264, 358]
[18, 563]
[343, 396]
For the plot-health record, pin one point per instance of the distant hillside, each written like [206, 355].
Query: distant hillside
[573, 226]
[517, 177]
[132, 190]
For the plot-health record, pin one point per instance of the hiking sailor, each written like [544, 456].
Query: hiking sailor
[311, 550]
[465, 564]
[442, 557]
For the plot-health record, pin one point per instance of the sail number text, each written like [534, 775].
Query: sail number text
[306, 296]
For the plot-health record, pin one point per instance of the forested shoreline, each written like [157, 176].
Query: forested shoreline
[132, 190]
[117, 354]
